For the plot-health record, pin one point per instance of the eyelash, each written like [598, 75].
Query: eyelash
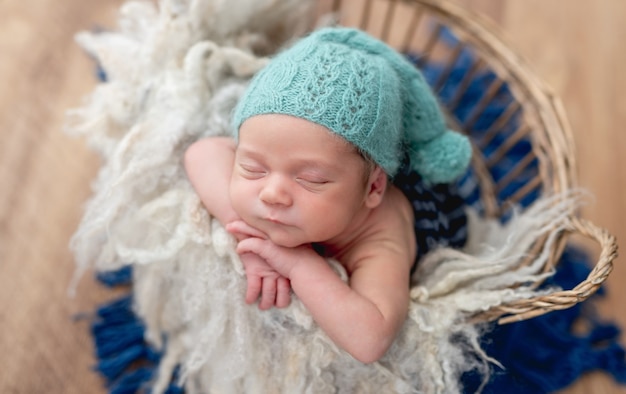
[251, 170]
[312, 186]
[313, 182]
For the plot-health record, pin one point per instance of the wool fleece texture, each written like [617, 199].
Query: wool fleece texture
[174, 72]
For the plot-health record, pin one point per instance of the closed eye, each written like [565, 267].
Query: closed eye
[313, 183]
[251, 171]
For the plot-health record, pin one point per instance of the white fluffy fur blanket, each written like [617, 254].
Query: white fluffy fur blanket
[174, 73]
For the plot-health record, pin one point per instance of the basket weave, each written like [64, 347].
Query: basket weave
[425, 28]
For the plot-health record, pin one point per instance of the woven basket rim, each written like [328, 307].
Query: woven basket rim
[555, 140]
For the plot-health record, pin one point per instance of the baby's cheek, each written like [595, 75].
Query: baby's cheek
[243, 199]
[236, 195]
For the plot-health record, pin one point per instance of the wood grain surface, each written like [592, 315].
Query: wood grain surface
[576, 46]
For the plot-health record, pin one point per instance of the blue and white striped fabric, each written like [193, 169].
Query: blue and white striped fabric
[439, 210]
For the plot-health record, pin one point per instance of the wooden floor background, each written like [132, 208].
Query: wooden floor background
[576, 46]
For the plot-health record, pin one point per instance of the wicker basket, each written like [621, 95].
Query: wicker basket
[531, 121]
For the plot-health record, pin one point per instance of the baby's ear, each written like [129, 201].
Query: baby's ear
[376, 186]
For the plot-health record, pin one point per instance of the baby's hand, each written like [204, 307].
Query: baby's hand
[280, 258]
[242, 230]
[264, 282]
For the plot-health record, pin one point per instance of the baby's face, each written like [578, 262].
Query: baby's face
[295, 181]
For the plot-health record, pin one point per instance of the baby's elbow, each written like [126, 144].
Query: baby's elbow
[192, 155]
[205, 150]
[368, 358]
[371, 352]
[373, 342]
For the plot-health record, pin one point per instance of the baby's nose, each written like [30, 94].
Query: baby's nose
[275, 192]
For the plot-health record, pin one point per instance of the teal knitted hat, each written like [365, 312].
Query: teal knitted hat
[365, 91]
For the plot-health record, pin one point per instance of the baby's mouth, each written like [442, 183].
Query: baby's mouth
[275, 221]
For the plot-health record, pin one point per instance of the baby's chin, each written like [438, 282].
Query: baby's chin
[286, 242]
[285, 238]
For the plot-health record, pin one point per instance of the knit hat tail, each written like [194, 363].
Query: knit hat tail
[438, 154]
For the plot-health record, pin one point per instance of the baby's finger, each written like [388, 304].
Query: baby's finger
[243, 228]
[283, 292]
[254, 288]
[257, 246]
[268, 293]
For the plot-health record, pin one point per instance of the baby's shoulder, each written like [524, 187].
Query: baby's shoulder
[390, 234]
[393, 218]
[395, 206]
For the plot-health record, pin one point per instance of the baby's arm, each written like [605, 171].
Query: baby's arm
[362, 317]
[209, 166]
[367, 314]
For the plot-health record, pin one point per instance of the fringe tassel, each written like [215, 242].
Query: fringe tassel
[126, 362]
[132, 382]
[123, 276]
